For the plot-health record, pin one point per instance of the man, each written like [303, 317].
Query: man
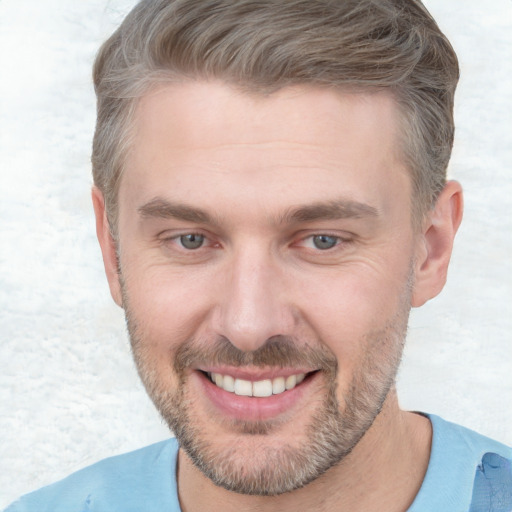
[271, 201]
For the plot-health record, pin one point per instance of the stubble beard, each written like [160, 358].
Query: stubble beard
[333, 431]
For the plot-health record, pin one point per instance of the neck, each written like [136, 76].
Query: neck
[383, 472]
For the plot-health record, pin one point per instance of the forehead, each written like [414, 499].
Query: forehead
[210, 143]
[190, 110]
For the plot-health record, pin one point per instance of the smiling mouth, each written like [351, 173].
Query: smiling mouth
[261, 388]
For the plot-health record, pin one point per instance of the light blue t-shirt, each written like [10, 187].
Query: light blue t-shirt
[467, 472]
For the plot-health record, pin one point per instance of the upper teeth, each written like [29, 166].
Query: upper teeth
[260, 388]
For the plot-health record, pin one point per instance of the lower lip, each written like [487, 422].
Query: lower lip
[250, 408]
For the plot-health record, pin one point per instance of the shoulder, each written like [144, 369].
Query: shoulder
[464, 441]
[465, 469]
[125, 482]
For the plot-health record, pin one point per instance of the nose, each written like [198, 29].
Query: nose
[253, 302]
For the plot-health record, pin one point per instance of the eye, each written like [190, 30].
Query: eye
[191, 241]
[324, 242]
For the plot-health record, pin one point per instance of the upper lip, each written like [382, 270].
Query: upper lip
[255, 374]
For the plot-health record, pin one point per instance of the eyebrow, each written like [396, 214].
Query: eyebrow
[163, 209]
[331, 210]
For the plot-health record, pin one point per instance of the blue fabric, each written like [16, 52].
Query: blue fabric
[467, 472]
[492, 491]
[139, 481]
[457, 458]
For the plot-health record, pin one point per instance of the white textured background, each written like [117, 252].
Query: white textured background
[69, 394]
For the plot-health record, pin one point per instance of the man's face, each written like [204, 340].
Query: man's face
[266, 243]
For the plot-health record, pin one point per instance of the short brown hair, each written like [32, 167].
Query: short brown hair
[264, 45]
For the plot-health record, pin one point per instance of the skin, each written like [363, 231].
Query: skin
[258, 168]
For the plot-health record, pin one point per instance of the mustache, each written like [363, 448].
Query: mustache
[277, 352]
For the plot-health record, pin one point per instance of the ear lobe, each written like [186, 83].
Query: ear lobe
[107, 244]
[437, 238]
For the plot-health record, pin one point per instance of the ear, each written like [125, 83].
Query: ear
[108, 246]
[436, 243]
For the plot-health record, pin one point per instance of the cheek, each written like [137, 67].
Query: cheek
[354, 306]
[166, 307]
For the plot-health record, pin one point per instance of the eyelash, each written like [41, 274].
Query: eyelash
[176, 239]
[339, 241]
